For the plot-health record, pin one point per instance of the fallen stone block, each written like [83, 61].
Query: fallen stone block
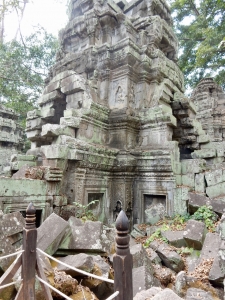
[51, 233]
[170, 258]
[140, 256]
[175, 238]
[143, 279]
[148, 294]
[163, 274]
[12, 223]
[153, 256]
[194, 234]
[198, 294]
[166, 294]
[88, 236]
[5, 249]
[80, 261]
[210, 247]
[217, 271]
[198, 200]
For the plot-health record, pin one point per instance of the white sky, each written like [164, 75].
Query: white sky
[50, 14]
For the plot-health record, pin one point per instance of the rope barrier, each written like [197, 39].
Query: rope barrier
[75, 269]
[9, 284]
[113, 296]
[54, 289]
[15, 253]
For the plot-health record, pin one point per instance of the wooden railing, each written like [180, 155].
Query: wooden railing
[30, 262]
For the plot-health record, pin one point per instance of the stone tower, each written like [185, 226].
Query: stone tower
[113, 116]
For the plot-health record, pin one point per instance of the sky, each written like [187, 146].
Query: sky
[50, 14]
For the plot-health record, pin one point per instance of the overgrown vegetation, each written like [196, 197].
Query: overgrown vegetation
[24, 65]
[203, 213]
[200, 27]
[84, 212]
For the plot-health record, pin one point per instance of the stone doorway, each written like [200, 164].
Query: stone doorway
[154, 208]
[97, 207]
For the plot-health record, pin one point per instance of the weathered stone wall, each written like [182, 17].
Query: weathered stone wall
[11, 138]
[114, 120]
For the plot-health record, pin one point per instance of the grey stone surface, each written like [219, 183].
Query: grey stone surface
[198, 200]
[210, 247]
[154, 213]
[166, 294]
[86, 236]
[11, 138]
[143, 279]
[153, 256]
[51, 233]
[163, 274]
[148, 294]
[140, 256]
[217, 271]
[112, 110]
[194, 234]
[169, 257]
[175, 238]
[80, 261]
[198, 294]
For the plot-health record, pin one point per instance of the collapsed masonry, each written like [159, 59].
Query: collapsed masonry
[11, 137]
[113, 123]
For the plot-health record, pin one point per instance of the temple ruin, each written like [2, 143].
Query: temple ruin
[114, 125]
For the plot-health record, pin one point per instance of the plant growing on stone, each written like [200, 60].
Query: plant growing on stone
[185, 251]
[207, 215]
[157, 235]
[84, 212]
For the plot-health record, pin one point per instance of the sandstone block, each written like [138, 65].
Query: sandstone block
[143, 295]
[195, 294]
[194, 234]
[87, 236]
[170, 258]
[207, 250]
[214, 177]
[51, 233]
[216, 190]
[175, 238]
[166, 294]
[200, 183]
[140, 256]
[143, 279]
[80, 261]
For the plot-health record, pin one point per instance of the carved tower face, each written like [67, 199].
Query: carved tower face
[113, 114]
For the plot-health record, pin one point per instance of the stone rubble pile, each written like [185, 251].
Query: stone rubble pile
[189, 265]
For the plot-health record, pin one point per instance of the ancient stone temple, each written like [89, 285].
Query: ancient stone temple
[11, 137]
[113, 120]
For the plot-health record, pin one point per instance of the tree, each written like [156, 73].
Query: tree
[24, 65]
[200, 26]
[6, 7]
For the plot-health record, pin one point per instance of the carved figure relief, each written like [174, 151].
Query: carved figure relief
[119, 95]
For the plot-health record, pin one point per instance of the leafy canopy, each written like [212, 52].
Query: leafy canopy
[24, 65]
[200, 26]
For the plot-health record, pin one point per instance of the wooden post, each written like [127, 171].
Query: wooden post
[29, 254]
[123, 260]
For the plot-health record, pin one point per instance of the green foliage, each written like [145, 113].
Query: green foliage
[200, 26]
[157, 235]
[185, 251]
[84, 212]
[23, 68]
[207, 215]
